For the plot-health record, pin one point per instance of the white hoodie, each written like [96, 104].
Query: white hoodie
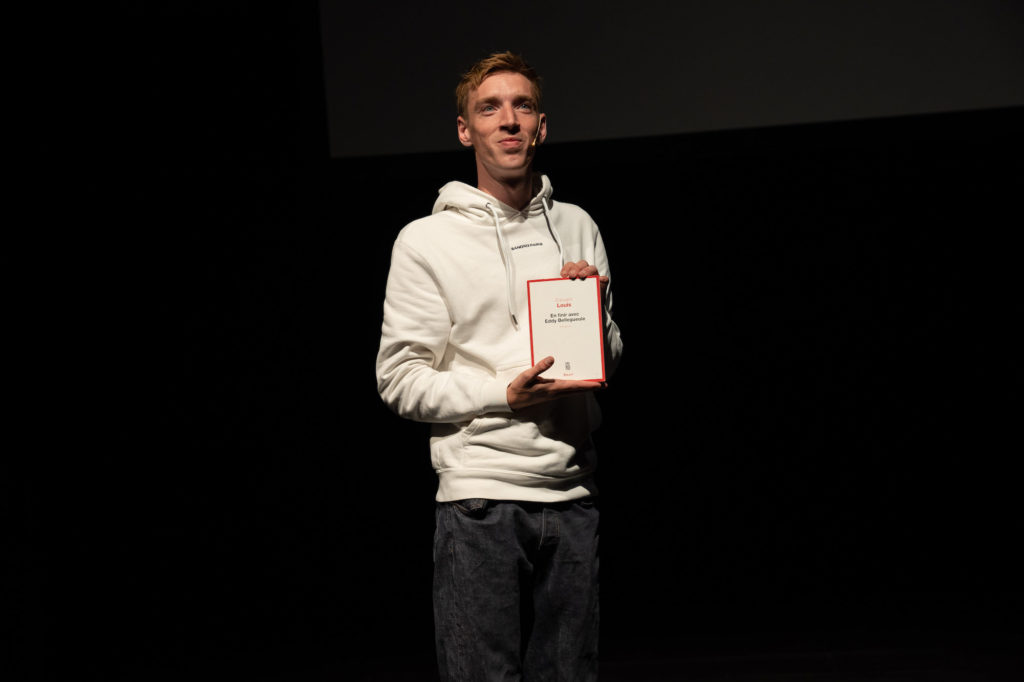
[455, 334]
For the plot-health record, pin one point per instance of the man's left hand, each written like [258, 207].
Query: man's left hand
[581, 270]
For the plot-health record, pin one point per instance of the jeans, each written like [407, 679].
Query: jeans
[516, 591]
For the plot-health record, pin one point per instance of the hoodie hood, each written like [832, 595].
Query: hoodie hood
[477, 204]
[480, 207]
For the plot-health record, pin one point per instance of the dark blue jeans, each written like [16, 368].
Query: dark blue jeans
[516, 591]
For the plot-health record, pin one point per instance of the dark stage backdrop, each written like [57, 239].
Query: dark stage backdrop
[813, 441]
[659, 67]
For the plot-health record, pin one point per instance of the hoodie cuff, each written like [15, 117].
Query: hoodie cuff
[494, 397]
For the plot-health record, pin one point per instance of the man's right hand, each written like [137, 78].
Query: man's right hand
[529, 388]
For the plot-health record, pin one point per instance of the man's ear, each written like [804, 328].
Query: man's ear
[543, 129]
[464, 136]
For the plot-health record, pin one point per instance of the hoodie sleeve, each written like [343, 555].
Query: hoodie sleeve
[612, 338]
[413, 340]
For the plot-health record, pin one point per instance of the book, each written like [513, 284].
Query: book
[565, 323]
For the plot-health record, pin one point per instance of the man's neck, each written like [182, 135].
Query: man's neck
[516, 192]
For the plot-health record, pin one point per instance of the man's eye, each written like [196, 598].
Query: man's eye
[526, 106]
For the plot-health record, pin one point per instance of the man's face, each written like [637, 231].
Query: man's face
[501, 124]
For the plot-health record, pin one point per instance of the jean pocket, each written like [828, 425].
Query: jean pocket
[473, 507]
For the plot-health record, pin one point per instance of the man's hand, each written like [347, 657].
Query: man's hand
[581, 270]
[529, 388]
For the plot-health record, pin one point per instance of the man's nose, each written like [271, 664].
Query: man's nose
[508, 119]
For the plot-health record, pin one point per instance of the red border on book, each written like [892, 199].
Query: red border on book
[600, 320]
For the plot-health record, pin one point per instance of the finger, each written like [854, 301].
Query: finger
[588, 271]
[563, 386]
[604, 279]
[571, 269]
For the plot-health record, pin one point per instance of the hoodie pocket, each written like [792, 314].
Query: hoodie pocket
[481, 426]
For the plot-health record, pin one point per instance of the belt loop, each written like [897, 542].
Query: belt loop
[549, 522]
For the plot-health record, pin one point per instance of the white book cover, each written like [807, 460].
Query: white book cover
[565, 323]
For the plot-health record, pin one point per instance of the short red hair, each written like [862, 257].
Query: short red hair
[499, 61]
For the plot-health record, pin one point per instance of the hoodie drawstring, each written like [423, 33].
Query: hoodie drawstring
[506, 254]
[554, 234]
[506, 258]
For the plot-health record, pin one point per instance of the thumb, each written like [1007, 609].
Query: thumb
[542, 366]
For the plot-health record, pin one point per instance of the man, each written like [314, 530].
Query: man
[515, 552]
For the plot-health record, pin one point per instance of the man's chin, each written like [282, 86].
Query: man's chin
[518, 163]
[510, 171]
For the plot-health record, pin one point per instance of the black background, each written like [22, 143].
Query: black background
[814, 440]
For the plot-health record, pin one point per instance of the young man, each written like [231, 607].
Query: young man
[515, 552]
